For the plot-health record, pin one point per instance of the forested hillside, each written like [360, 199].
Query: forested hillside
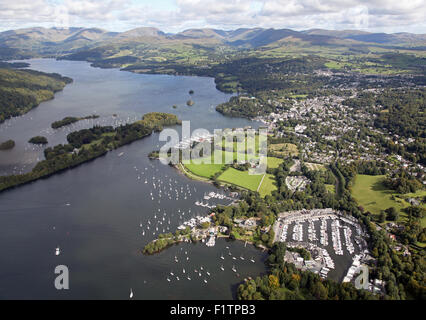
[22, 90]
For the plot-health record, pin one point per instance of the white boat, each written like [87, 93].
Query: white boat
[252, 260]
[168, 280]
[121, 154]
[222, 268]
[131, 293]
[58, 251]
[222, 257]
[208, 273]
[205, 281]
[233, 269]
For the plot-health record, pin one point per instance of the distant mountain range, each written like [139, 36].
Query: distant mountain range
[57, 40]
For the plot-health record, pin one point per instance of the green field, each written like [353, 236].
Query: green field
[284, 149]
[268, 185]
[205, 170]
[201, 168]
[241, 179]
[234, 176]
[372, 195]
[274, 163]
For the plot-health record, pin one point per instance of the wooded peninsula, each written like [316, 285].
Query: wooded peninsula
[23, 90]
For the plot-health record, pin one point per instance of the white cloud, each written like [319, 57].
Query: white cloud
[371, 15]
[374, 14]
[94, 9]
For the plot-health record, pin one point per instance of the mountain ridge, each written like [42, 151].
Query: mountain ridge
[126, 46]
[250, 36]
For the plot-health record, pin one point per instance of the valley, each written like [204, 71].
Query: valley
[345, 160]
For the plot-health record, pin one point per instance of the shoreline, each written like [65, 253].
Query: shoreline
[67, 161]
[188, 239]
[181, 168]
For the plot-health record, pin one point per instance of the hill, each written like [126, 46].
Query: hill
[60, 41]
[22, 90]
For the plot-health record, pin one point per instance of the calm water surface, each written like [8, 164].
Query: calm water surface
[94, 212]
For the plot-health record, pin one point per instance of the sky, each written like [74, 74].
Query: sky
[177, 15]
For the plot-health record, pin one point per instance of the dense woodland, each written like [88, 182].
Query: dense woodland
[403, 183]
[38, 140]
[22, 90]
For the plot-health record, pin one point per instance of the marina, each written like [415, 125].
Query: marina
[328, 235]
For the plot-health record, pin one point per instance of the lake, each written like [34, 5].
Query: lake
[94, 212]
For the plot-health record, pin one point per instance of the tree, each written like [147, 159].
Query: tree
[319, 291]
[382, 216]
[392, 214]
[274, 282]
[38, 140]
[205, 225]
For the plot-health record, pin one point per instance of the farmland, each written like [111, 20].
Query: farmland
[241, 178]
[284, 149]
[315, 166]
[233, 176]
[268, 185]
[373, 196]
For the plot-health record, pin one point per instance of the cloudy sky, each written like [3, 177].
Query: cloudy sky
[178, 15]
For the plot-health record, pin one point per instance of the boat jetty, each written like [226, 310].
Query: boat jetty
[326, 234]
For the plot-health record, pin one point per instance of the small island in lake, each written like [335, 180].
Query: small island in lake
[7, 145]
[38, 140]
[69, 120]
[154, 155]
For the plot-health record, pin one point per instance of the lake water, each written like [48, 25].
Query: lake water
[93, 212]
